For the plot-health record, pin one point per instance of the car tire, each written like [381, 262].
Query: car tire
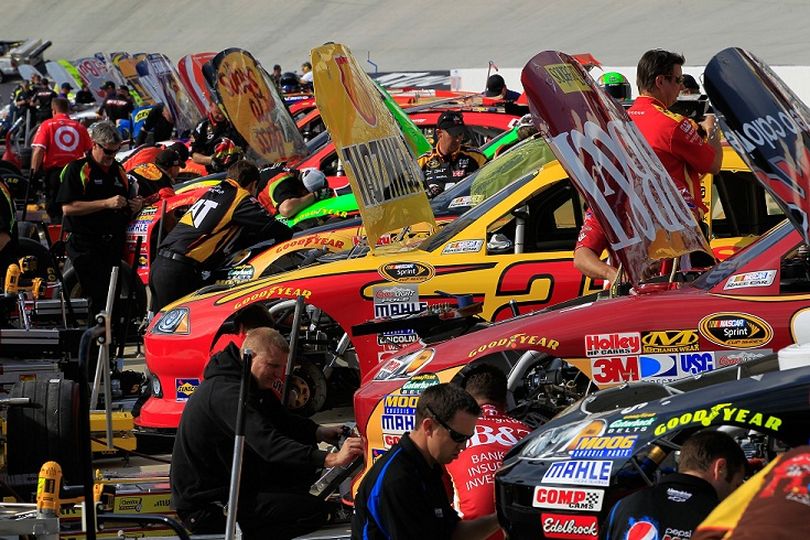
[308, 389]
[46, 431]
[74, 289]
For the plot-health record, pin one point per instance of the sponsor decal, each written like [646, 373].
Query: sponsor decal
[736, 330]
[139, 226]
[678, 495]
[579, 473]
[462, 246]
[404, 366]
[275, 290]
[642, 530]
[658, 366]
[390, 440]
[611, 447]
[418, 383]
[513, 341]
[467, 200]
[311, 242]
[238, 274]
[130, 504]
[567, 78]
[762, 278]
[789, 478]
[618, 369]
[669, 341]
[732, 358]
[184, 388]
[397, 301]
[569, 527]
[631, 425]
[399, 413]
[377, 453]
[406, 272]
[695, 363]
[612, 344]
[568, 498]
[722, 412]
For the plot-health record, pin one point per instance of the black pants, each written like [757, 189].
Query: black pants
[52, 181]
[170, 279]
[263, 515]
[93, 257]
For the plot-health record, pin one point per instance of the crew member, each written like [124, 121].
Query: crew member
[295, 190]
[84, 96]
[409, 475]
[711, 466]
[9, 241]
[64, 90]
[281, 457]
[275, 76]
[496, 88]
[690, 86]
[97, 206]
[158, 126]
[41, 100]
[210, 133]
[450, 160]
[207, 234]
[147, 154]
[306, 75]
[676, 140]
[58, 141]
[151, 179]
[117, 105]
[495, 434]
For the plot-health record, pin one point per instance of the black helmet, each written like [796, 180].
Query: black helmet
[289, 83]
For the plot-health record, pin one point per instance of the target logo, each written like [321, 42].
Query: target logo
[66, 138]
[642, 530]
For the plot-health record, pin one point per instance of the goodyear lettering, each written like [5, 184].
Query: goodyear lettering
[666, 341]
[514, 340]
[720, 412]
[384, 169]
[313, 241]
[270, 292]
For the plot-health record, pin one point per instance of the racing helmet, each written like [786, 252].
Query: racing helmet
[616, 86]
[289, 83]
[313, 179]
[226, 152]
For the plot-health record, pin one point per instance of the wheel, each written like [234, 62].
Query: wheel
[308, 389]
[74, 290]
[47, 431]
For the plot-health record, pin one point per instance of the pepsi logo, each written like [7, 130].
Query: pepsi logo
[642, 530]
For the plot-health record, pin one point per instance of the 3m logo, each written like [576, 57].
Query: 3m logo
[665, 341]
[615, 370]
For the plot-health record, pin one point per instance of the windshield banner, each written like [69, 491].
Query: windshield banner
[190, 68]
[767, 125]
[253, 105]
[96, 71]
[126, 65]
[643, 215]
[183, 110]
[384, 176]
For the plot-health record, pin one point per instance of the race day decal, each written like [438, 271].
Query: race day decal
[397, 301]
[736, 330]
[722, 412]
[399, 409]
[579, 473]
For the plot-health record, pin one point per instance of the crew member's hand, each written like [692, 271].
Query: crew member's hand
[116, 202]
[328, 434]
[351, 449]
[323, 193]
[708, 123]
[135, 204]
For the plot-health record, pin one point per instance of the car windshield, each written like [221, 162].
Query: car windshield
[489, 186]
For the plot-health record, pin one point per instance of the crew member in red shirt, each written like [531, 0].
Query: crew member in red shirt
[495, 433]
[58, 141]
[687, 150]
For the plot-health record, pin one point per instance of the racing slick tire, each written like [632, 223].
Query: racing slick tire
[138, 311]
[308, 389]
[47, 430]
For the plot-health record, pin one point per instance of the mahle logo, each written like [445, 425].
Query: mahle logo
[664, 341]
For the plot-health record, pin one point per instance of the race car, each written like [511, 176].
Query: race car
[512, 253]
[568, 474]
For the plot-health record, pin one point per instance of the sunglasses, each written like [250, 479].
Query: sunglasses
[677, 80]
[107, 151]
[457, 437]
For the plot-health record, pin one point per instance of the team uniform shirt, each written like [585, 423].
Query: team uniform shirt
[672, 509]
[773, 504]
[677, 143]
[289, 186]
[84, 97]
[473, 472]
[591, 235]
[148, 180]
[117, 108]
[63, 140]
[208, 232]
[86, 180]
[445, 171]
[207, 134]
[156, 124]
[402, 497]
[42, 98]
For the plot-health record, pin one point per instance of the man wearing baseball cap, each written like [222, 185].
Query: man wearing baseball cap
[152, 179]
[450, 160]
[496, 88]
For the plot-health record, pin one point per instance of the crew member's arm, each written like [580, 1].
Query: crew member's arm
[710, 125]
[252, 216]
[292, 205]
[472, 529]
[82, 208]
[71, 191]
[37, 156]
[688, 145]
[589, 264]
[38, 146]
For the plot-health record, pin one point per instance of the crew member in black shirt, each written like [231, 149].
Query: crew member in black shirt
[84, 96]
[450, 160]
[41, 100]
[117, 105]
[711, 466]
[151, 178]
[208, 233]
[403, 495]
[210, 132]
[97, 206]
[158, 126]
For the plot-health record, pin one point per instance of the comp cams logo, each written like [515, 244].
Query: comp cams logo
[568, 498]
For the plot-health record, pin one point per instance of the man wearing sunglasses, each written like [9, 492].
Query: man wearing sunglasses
[97, 206]
[403, 494]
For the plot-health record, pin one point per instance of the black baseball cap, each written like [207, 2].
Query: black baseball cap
[168, 158]
[66, 85]
[495, 85]
[108, 84]
[452, 122]
[181, 150]
[690, 83]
